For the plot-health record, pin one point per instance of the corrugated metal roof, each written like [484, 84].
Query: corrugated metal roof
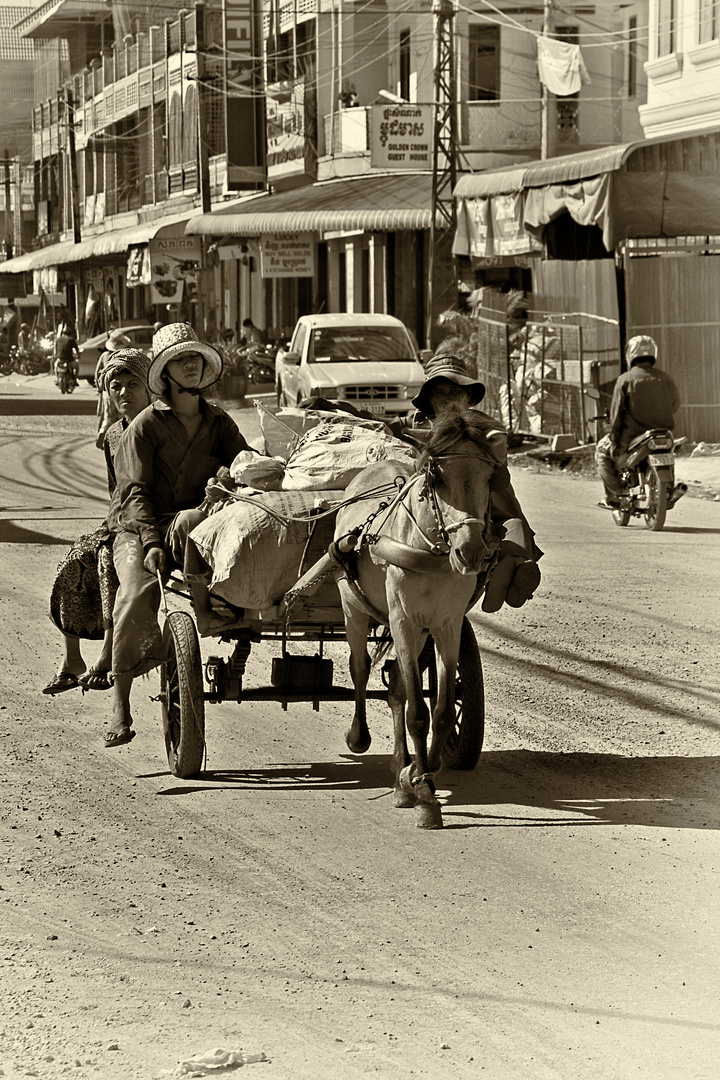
[109, 243]
[12, 46]
[562, 170]
[387, 203]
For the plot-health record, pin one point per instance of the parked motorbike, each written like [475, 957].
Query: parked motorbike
[648, 480]
[64, 377]
[261, 364]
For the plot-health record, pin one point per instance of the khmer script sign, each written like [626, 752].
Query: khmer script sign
[402, 136]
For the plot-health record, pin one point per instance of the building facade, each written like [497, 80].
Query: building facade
[276, 158]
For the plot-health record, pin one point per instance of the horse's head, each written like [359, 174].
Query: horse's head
[459, 459]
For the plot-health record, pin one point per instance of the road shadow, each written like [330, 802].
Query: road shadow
[687, 529]
[551, 790]
[514, 788]
[10, 533]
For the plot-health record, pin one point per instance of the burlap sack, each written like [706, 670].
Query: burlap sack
[332, 454]
[254, 558]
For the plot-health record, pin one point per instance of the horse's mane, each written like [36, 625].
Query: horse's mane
[460, 426]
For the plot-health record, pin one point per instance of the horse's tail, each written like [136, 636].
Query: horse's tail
[383, 645]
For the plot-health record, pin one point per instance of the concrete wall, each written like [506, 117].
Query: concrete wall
[683, 84]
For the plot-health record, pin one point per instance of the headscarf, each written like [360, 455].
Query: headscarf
[133, 360]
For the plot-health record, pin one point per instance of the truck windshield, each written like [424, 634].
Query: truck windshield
[337, 345]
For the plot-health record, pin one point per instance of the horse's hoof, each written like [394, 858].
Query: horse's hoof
[357, 746]
[405, 781]
[403, 800]
[428, 817]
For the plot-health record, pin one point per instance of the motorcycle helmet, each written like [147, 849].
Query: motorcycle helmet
[641, 347]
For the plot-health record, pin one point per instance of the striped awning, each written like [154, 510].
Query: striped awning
[379, 203]
[109, 243]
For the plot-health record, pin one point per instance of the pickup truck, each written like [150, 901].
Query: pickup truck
[370, 361]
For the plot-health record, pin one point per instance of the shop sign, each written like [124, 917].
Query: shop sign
[287, 255]
[244, 101]
[138, 267]
[401, 136]
[173, 261]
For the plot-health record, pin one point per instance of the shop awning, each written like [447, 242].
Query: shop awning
[660, 187]
[60, 18]
[387, 203]
[109, 243]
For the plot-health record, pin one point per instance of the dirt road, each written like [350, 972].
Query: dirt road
[563, 925]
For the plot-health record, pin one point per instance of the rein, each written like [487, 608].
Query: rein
[400, 554]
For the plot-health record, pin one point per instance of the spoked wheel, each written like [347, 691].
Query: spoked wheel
[657, 501]
[621, 517]
[464, 743]
[181, 693]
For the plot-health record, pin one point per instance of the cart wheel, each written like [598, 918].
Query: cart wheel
[181, 693]
[621, 517]
[464, 743]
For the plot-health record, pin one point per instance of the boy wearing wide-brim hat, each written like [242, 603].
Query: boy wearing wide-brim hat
[448, 387]
[163, 464]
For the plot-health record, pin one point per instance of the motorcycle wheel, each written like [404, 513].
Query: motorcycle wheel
[657, 502]
[621, 517]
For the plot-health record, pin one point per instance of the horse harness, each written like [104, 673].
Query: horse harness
[406, 556]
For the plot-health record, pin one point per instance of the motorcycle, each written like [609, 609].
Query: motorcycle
[647, 476]
[260, 361]
[64, 377]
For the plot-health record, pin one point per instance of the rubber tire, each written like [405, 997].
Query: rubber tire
[279, 396]
[621, 517]
[183, 700]
[657, 504]
[465, 742]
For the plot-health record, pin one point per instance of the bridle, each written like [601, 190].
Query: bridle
[427, 492]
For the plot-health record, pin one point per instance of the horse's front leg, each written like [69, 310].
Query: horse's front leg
[447, 647]
[357, 627]
[416, 778]
[403, 797]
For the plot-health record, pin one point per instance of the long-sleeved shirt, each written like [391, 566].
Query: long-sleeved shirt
[643, 397]
[161, 471]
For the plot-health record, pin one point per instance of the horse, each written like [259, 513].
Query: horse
[415, 569]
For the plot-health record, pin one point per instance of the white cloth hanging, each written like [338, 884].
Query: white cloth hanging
[561, 66]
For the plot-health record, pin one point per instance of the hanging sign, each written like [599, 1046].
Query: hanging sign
[173, 260]
[287, 255]
[402, 136]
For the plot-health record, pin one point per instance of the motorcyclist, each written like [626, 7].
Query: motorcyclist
[67, 351]
[644, 397]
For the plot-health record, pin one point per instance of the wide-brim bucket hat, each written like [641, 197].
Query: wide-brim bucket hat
[173, 341]
[453, 370]
[117, 340]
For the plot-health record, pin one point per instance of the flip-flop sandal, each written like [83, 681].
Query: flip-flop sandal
[64, 680]
[119, 738]
[96, 679]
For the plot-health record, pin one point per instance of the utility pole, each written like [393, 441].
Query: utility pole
[72, 158]
[548, 101]
[442, 286]
[8, 215]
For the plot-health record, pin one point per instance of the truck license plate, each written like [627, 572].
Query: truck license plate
[373, 406]
[661, 459]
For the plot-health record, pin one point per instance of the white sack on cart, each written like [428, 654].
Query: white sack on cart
[332, 455]
[282, 430]
[254, 558]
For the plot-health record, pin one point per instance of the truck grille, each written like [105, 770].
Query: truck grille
[372, 393]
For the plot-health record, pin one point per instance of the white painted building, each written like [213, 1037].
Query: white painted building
[683, 67]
